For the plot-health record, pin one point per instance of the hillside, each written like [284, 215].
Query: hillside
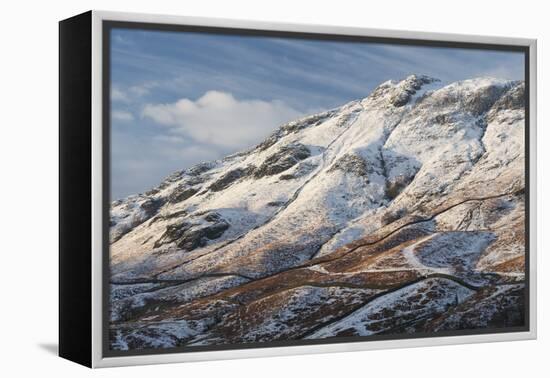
[401, 212]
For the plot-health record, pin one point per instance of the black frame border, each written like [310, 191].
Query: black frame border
[75, 188]
[108, 25]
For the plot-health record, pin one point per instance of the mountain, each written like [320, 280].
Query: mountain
[401, 212]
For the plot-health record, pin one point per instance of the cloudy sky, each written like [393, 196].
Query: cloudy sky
[181, 98]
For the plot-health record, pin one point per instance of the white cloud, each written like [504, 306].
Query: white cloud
[118, 95]
[219, 118]
[143, 89]
[122, 115]
[132, 93]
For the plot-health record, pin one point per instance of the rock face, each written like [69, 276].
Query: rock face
[283, 159]
[190, 235]
[399, 213]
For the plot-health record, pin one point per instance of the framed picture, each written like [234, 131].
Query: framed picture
[233, 189]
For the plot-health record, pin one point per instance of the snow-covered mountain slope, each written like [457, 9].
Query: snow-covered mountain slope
[418, 187]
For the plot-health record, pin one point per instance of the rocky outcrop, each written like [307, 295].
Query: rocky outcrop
[285, 158]
[409, 87]
[351, 163]
[193, 233]
[229, 178]
[126, 215]
[181, 193]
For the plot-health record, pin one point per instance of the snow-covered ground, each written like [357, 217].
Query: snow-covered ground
[420, 180]
[394, 309]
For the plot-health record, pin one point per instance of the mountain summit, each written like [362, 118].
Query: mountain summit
[401, 212]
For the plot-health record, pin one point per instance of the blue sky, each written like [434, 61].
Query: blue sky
[180, 98]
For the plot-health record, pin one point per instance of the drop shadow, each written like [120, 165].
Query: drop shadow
[51, 348]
